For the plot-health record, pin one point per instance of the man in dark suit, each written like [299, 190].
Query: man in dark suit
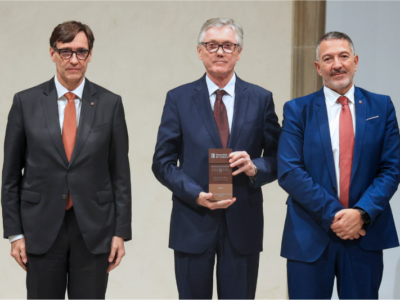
[217, 111]
[339, 161]
[66, 194]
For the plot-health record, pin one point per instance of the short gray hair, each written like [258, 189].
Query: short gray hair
[334, 35]
[221, 22]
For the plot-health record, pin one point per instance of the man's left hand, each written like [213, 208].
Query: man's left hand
[242, 161]
[117, 252]
[348, 224]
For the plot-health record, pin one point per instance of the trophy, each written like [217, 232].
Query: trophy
[220, 174]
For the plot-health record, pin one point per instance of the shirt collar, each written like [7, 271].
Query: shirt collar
[229, 88]
[331, 96]
[61, 90]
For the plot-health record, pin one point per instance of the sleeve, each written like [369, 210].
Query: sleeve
[120, 174]
[377, 196]
[14, 162]
[292, 174]
[267, 164]
[166, 155]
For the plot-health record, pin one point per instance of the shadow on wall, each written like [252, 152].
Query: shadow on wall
[396, 291]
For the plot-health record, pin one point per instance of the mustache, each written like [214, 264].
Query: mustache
[337, 72]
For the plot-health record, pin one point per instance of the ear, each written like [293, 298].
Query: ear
[199, 53]
[355, 62]
[318, 67]
[240, 52]
[52, 54]
[89, 58]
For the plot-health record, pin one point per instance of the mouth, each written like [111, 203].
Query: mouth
[73, 69]
[337, 74]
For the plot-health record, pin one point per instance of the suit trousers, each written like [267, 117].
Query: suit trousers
[236, 273]
[358, 273]
[68, 265]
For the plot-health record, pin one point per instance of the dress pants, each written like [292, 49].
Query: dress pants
[236, 273]
[68, 265]
[358, 273]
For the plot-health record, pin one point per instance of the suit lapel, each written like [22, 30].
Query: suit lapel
[202, 101]
[50, 111]
[361, 114]
[240, 110]
[88, 109]
[322, 116]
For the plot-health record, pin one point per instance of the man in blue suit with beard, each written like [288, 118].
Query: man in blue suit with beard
[339, 161]
[217, 111]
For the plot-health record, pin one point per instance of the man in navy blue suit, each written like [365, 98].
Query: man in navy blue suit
[217, 111]
[339, 161]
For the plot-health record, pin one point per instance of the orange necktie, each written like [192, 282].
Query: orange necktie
[346, 148]
[69, 132]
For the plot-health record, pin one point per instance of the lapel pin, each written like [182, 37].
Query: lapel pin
[360, 101]
[92, 103]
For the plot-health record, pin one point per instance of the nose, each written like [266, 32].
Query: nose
[337, 64]
[74, 59]
[220, 51]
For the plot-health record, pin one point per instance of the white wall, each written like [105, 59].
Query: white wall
[373, 26]
[142, 50]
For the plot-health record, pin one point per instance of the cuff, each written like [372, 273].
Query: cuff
[14, 238]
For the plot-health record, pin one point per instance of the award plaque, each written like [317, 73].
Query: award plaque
[220, 174]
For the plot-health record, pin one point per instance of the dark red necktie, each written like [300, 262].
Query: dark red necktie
[69, 132]
[346, 148]
[221, 118]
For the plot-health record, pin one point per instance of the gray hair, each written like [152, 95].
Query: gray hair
[334, 35]
[221, 22]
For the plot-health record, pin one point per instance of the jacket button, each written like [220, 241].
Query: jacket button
[64, 197]
[334, 189]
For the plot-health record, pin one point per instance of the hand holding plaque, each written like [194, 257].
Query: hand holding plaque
[220, 174]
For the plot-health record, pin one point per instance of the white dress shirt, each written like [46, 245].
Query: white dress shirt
[228, 99]
[333, 109]
[62, 103]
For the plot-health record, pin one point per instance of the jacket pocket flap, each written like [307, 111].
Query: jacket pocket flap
[105, 196]
[30, 196]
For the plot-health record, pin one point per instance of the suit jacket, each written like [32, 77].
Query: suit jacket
[37, 176]
[306, 172]
[186, 132]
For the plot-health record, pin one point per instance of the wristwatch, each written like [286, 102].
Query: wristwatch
[364, 216]
[255, 169]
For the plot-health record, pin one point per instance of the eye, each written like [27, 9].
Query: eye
[65, 53]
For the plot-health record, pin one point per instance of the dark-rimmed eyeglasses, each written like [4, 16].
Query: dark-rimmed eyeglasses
[214, 46]
[81, 54]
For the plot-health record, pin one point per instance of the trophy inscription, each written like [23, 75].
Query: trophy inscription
[220, 174]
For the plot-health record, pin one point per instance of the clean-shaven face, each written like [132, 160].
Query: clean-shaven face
[219, 64]
[71, 71]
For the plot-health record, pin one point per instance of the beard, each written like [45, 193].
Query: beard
[339, 84]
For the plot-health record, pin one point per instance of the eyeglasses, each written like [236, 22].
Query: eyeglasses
[214, 46]
[81, 54]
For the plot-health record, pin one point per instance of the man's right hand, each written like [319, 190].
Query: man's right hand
[18, 251]
[204, 200]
